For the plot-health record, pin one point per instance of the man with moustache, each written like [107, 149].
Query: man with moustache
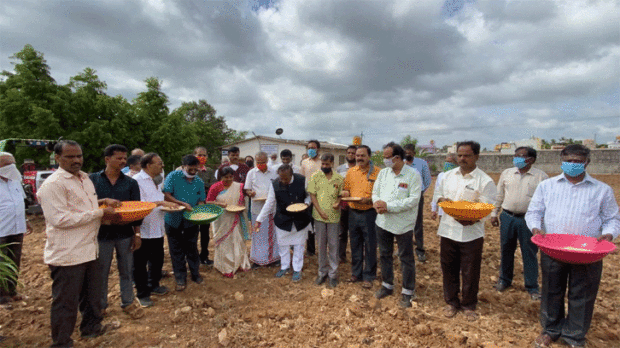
[286, 156]
[72, 219]
[462, 241]
[122, 238]
[359, 183]
[240, 168]
[343, 237]
[422, 167]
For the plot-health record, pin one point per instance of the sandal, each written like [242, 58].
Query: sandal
[470, 315]
[449, 311]
[228, 275]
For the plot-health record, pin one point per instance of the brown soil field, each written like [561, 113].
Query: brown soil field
[257, 310]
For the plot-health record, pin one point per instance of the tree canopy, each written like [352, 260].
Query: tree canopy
[34, 106]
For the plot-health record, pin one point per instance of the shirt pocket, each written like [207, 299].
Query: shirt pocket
[530, 189]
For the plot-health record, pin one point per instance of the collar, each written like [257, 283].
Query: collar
[121, 176]
[65, 174]
[516, 171]
[472, 173]
[587, 178]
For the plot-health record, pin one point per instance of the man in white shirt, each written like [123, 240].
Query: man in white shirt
[448, 165]
[13, 223]
[265, 248]
[395, 197]
[461, 241]
[571, 203]
[152, 230]
[514, 190]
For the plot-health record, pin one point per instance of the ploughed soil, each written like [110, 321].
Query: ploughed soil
[257, 310]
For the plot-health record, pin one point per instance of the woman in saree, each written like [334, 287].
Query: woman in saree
[230, 230]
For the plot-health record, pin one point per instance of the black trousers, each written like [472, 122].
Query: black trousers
[363, 244]
[183, 245]
[151, 253]
[204, 241]
[385, 239]
[461, 258]
[583, 282]
[418, 230]
[14, 252]
[343, 236]
[75, 287]
[310, 244]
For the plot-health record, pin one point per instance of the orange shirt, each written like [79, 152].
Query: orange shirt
[359, 186]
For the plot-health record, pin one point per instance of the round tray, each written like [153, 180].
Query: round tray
[259, 199]
[296, 207]
[203, 214]
[133, 210]
[467, 211]
[571, 248]
[173, 210]
[234, 208]
[351, 199]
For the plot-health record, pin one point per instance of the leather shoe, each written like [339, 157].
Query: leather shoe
[383, 292]
[405, 301]
[197, 280]
[333, 282]
[320, 280]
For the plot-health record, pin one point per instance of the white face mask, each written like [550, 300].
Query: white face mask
[388, 162]
[187, 175]
[11, 172]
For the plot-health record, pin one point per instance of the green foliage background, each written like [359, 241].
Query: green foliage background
[34, 106]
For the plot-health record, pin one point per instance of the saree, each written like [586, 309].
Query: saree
[230, 231]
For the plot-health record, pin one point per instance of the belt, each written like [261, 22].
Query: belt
[361, 211]
[513, 214]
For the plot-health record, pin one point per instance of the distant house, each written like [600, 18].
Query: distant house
[250, 146]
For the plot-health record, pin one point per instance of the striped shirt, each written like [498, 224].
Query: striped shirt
[587, 208]
[401, 193]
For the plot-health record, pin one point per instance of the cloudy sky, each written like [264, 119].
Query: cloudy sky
[450, 70]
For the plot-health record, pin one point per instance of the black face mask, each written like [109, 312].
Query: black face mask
[409, 158]
[326, 170]
[250, 164]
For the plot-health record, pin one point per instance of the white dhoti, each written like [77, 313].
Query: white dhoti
[296, 239]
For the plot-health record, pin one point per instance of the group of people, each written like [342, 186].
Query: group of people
[356, 202]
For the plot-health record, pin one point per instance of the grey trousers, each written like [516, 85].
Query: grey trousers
[124, 261]
[328, 241]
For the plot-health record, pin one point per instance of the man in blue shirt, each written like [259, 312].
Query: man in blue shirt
[185, 188]
[124, 238]
[422, 167]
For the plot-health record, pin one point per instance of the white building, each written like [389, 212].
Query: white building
[250, 146]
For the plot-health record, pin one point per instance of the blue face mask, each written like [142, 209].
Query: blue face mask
[449, 166]
[519, 162]
[573, 169]
[312, 153]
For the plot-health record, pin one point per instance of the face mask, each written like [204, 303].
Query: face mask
[187, 175]
[519, 162]
[409, 158]
[312, 153]
[262, 167]
[573, 169]
[202, 160]
[11, 172]
[249, 164]
[449, 166]
[388, 162]
[326, 170]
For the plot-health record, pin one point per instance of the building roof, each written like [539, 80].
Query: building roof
[324, 144]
